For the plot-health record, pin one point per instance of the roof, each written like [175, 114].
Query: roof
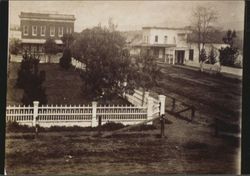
[39, 41]
[155, 45]
[169, 28]
[54, 16]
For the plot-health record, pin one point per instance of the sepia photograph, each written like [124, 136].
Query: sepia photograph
[124, 87]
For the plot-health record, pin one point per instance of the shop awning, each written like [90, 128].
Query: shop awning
[39, 41]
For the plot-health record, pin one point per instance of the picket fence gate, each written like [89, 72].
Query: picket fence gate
[81, 115]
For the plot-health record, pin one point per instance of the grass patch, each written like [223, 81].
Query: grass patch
[63, 87]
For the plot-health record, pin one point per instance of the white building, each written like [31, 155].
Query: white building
[166, 44]
[170, 45]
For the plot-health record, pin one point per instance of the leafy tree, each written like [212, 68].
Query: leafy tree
[65, 60]
[30, 81]
[203, 18]
[107, 62]
[147, 72]
[229, 54]
[67, 39]
[15, 46]
[50, 47]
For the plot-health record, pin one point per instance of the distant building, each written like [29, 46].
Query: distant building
[37, 27]
[14, 32]
[170, 45]
[166, 44]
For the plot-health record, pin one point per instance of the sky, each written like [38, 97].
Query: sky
[133, 15]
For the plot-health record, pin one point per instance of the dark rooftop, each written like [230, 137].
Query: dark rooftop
[47, 16]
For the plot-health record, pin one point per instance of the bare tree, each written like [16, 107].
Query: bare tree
[202, 21]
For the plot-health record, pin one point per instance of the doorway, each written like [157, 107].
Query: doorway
[179, 57]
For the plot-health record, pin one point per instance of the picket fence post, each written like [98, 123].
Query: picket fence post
[94, 121]
[146, 95]
[35, 111]
[150, 109]
[162, 99]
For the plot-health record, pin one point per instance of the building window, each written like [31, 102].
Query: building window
[165, 39]
[34, 30]
[43, 28]
[68, 30]
[174, 40]
[25, 30]
[52, 31]
[147, 40]
[60, 31]
[156, 38]
[191, 54]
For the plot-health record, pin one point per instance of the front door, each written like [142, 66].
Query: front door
[179, 56]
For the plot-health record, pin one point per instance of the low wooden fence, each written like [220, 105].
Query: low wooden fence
[77, 64]
[81, 115]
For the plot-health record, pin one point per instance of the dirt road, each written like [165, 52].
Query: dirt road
[188, 148]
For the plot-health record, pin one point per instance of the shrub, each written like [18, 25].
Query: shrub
[31, 81]
[144, 128]
[70, 128]
[65, 60]
[111, 126]
[228, 56]
[212, 56]
[15, 46]
[203, 55]
[14, 127]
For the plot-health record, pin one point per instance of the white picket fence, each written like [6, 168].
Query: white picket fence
[77, 64]
[67, 115]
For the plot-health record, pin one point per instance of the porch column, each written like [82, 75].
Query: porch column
[173, 57]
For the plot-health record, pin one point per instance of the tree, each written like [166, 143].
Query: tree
[111, 26]
[147, 73]
[229, 38]
[67, 39]
[229, 54]
[203, 19]
[203, 58]
[65, 60]
[50, 47]
[30, 81]
[15, 46]
[107, 63]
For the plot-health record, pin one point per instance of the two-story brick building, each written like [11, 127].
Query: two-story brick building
[37, 27]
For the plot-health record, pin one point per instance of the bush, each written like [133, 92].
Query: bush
[228, 56]
[15, 46]
[65, 60]
[14, 127]
[203, 55]
[112, 126]
[212, 56]
[31, 81]
[70, 128]
[144, 128]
